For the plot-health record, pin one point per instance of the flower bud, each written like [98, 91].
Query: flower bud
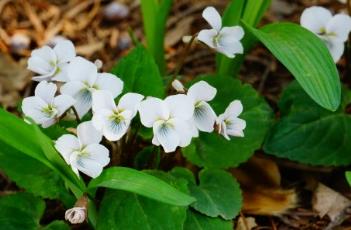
[98, 63]
[186, 39]
[178, 86]
[76, 215]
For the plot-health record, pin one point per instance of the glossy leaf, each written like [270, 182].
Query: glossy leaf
[141, 183]
[214, 151]
[139, 73]
[306, 57]
[308, 133]
[197, 221]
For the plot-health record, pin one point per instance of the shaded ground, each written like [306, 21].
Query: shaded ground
[100, 34]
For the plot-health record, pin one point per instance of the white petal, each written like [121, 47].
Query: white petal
[155, 141]
[180, 106]
[99, 119]
[166, 135]
[49, 122]
[231, 50]
[65, 51]
[232, 33]
[204, 117]
[151, 110]
[46, 91]
[82, 70]
[61, 73]
[107, 81]
[234, 109]
[103, 100]
[114, 131]
[42, 60]
[184, 131]
[81, 94]
[178, 86]
[336, 49]
[98, 153]
[32, 107]
[67, 144]
[87, 134]
[236, 127]
[315, 19]
[85, 165]
[46, 77]
[208, 37]
[211, 15]
[222, 127]
[339, 26]
[131, 102]
[62, 103]
[202, 91]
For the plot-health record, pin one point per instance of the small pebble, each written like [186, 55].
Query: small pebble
[116, 11]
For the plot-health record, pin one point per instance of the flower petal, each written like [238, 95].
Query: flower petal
[231, 50]
[98, 153]
[99, 119]
[131, 102]
[151, 110]
[166, 135]
[32, 107]
[113, 130]
[85, 165]
[109, 82]
[234, 109]
[336, 49]
[180, 106]
[87, 134]
[232, 33]
[49, 122]
[103, 100]
[236, 127]
[204, 117]
[184, 131]
[202, 91]
[80, 69]
[315, 19]
[42, 60]
[61, 73]
[339, 26]
[62, 103]
[208, 37]
[46, 91]
[65, 51]
[211, 15]
[67, 144]
[81, 94]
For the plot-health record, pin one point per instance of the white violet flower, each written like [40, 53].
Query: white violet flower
[44, 108]
[51, 64]
[84, 153]
[333, 30]
[169, 119]
[76, 215]
[84, 79]
[229, 124]
[204, 117]
[225, 40]
[113, 121]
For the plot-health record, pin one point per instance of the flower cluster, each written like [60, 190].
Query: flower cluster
[175, 120]
[333, 30]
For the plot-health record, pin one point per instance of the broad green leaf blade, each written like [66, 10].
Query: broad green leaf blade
[197, 221]
[57, 225]
[218, 194]
[32, 175]
[306, 57]
[214, 151]
[139, 73]
[348, 177]
[121, 210]
[141, 183]
[20, 211]
[308, 133]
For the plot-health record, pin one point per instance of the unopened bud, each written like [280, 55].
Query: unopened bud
[98, 63]
[186, 39]
[19, 42]
[78, 214]
[178, 86]
[116, 11]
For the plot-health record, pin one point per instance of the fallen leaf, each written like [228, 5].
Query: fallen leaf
[246, 223]
[328, 202]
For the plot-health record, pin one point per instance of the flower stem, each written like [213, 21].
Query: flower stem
[76, 114]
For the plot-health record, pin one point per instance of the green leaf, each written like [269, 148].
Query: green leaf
[32, 175]
[348, 177]
[308, 133]
[130, 211]
[306, 57]
[141, 183]
[218, 194]
[57, 225]
[20, 211]
[214, 151]
[139, 73]
[197, 221]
